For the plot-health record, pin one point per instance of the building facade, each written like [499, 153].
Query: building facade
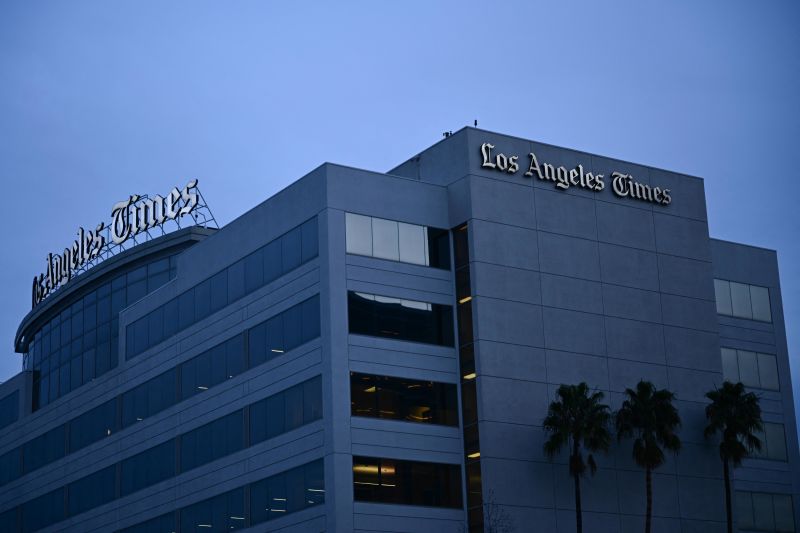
[376, 352]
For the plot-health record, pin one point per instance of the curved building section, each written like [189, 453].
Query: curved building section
[371, 352]
[73, 336]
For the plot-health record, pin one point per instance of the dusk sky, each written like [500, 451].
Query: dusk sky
[99, 100]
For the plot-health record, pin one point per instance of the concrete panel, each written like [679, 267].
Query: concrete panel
[513, 401]
[690, 348]
[701, 498]
[688, 193]
[511, 361]
[506, 283]
[682, 237]
[573, 331]
[626, 374]
[504, 245]
[571, 293]
[624, 225]
[565, 214]
[592, 522]
[689, 312]
[686, 277]
[692, 384]
[631, 339]
[518, 482]
[505, 440]
[624, 302]
[507, 203]
[570, 368]
[628, 267]
[504, 321]
[569, 256]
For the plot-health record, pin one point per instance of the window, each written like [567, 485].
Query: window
[216, 439]
[395, 318]
[303, 486]
[261, 267]
[758, 511]
[753, 369]
[214, 366]
[220, 513]
[147, 468]
[403, 399]
[80, 343]
[160, 524]
[44, 449]
[42, 511]
[93, 425]
[148, 398]
[406, 482]
[742, 300]
[287, 492]
[286, 331]
[10, 466]
[9, 409]
[397, 241]
[92, 491]
[773, 442]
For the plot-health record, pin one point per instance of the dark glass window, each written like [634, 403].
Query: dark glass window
[42, 511]
[236, 281]
[291, 248]
[8, 520]
[760, 511]
[257, 269]
[253, 271]
[406, 482]
[397, 241]
[400, 319]
[202, 300]
[220, 513]
[44, 449]
[160, 524]
[213, 366]
[147, 468]
[148, 398]
[312, 400]
[10, 466]
[214, 440]
[93, 425]
[185, 311]
[286, 410]
[287, 492]
[403, 399]
[310, 238]
[92, 491]
[219, 291]
[9, 409]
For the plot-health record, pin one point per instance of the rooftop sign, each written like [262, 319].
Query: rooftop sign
[623, 185]
[129, 218]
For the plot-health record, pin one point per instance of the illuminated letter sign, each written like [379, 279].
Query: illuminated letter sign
[623, 185]
[128, 219]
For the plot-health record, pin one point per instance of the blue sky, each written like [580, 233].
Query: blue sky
[102, 99]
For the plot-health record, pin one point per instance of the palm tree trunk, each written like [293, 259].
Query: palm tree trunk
[728, 510]
[649, 483]
[577, 477]
[578, 514]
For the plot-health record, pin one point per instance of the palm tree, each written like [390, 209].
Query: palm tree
[577, 420]
[737, 415]
[647, 415]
